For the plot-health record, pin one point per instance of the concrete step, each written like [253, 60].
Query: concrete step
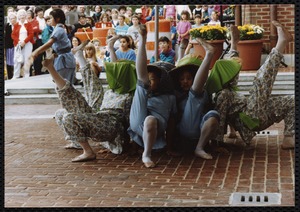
[41, 89]
[278, 85]
[32, 99]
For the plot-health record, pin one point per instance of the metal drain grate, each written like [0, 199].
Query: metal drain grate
[267, 132]
[255, 199]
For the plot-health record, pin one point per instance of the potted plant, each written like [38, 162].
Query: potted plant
[213, 34]
[250, 46]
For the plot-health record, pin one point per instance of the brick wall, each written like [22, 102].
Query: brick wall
[261, 15]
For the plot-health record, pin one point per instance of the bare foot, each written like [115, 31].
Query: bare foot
[235, 34]
[84, 157]
[203, 154]
[208, 47]
[142, 30]
[288, 142]
[283, 33]
[148, 162]
[80, 47]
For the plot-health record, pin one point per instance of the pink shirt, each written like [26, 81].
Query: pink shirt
[183, 27]
[170, 11]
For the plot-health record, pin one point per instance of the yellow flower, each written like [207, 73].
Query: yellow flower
[209, 32]
[250, 32]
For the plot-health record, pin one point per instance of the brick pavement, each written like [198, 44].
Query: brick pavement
[39, 171]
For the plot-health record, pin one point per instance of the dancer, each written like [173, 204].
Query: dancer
[260, 110]
[153, 104]
[64, 63]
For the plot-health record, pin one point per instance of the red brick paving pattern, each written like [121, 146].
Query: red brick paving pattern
[39, 173]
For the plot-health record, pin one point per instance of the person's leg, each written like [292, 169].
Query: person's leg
[102, 126]
[70, 101]
[37, 63]
[27, 50]
[207, 131]
[232, 133]
[149, 138]
[265, 77]
[282, 108]
[182, 47]
[10, 71]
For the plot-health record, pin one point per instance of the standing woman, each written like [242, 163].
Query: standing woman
[64, 63]
[9, 44]
[22, 35]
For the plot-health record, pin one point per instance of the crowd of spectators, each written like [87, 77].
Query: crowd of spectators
[124, 21]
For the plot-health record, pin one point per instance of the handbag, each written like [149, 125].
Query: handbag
[18, 57]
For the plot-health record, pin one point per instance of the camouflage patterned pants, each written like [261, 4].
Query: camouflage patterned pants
[79, 119]
[260, 104]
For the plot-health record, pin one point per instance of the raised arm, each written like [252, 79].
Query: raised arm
[202, 73]
[110, 44]
[141, 59]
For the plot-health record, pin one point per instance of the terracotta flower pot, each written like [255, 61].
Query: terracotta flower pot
[218, 44]
[250, 52]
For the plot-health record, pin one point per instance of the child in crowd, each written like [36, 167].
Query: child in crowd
[169, 11]
[196, 25]
[110, 33]
[46, 33]
[105, 20]
[153, 104]
[173, 32]
[114, 17]
[90, 56]
[65, 63]
[214, 19]
[205, 15]
[97, 14]
[166, 53]
[122, 27]
[183, 28]
[133, 30]
[125, 52]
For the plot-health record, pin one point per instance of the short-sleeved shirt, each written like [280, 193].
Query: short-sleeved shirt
[62, 47]
[121, 30]
[193, 109]
[166, 57]
[133, 32]
[183, 27]
[129, 55]
[161, 107]
[170, 11]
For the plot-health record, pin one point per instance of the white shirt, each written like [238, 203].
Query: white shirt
[42, 24]
[23, 31]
